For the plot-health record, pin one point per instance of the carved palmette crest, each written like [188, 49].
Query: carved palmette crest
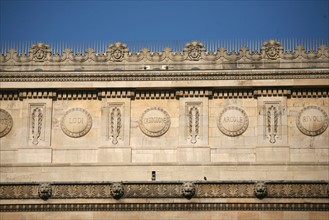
[116, 52]
[272, 49]
[193, 123]
[40, 52]
[37, 118]
[272, 123]
[115, 124]
[194, 50]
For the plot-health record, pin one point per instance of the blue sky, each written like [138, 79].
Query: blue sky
[78, 21]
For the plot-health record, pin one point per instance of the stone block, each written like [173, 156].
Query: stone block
[193, 154]
[40, 155]
[75, 156]
[272, 154]
[8, 156]
[114, 155]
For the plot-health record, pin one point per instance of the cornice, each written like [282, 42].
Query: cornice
[69, 76]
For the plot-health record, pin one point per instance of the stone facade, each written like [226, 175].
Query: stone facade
[165, 131]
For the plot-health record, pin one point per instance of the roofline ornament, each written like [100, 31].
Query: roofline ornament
[271, 50]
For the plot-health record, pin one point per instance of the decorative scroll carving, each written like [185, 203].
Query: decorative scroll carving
[188, 190]
[272, 123]
[233, 121]
[312, 120]
[260, 190]
[44, 191]
[272, 49]
[117, 190]
[193, 123]
[154, 122]
[76, 122]
[37, 117]
[115, 124]
[6, 123]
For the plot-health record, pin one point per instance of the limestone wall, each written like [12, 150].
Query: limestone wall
[163, 126]
[199, 130]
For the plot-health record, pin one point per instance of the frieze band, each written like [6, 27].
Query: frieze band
[189, 190]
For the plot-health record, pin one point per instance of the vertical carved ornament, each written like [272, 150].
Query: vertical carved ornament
[193, 123]
[272, 123]
[116, 124]
[36, 126]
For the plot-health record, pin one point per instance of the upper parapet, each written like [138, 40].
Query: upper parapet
[194, 55]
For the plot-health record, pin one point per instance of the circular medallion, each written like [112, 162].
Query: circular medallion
[76, 122]
[312, 120]
[233, 121]
[154, 122]
[6, 123]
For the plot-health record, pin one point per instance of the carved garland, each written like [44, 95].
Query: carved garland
[193, 123]
[37, 117]
[115, 124]
[272, 123]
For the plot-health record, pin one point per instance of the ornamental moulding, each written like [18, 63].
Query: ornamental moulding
[41, 54]
[69, 76]
[149, 206]
[162, 94]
